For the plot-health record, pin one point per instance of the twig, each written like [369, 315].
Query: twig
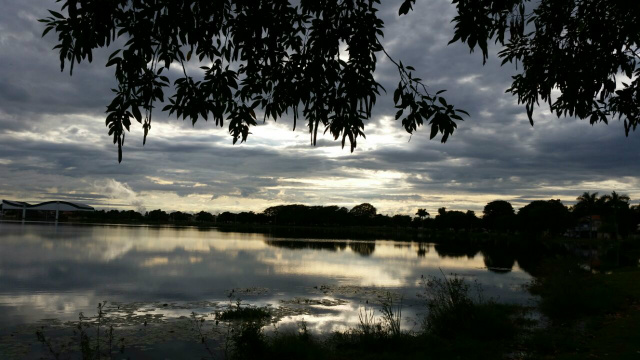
[198, 326]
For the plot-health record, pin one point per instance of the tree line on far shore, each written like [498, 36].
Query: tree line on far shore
[608, 214]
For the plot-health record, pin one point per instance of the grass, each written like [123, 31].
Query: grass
[455, 313]
[392, 315]
[569, 293]
[619, 336]
[590, 315]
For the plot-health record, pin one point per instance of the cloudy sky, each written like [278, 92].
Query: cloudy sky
[54, 144]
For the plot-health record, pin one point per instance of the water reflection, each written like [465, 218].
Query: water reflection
[48, 271]
[423, 249]
[457, 250]
[497, 259]
[315, 245]
[363, 248]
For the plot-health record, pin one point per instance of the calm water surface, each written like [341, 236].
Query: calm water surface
[55, 272]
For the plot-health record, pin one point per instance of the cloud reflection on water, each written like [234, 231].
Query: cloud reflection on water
[128, 264]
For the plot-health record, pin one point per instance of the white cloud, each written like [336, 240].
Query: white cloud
[121, 192]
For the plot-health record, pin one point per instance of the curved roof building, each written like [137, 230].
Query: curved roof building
[56, 206]
[47, 205]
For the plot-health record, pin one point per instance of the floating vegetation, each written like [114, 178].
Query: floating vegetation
[368, 293]
[237, 330]
[245, 313]
[281, 312]
[250, 291]
[310, 302]
[141, 326]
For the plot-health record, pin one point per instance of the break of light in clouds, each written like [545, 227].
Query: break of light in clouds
[54, 145]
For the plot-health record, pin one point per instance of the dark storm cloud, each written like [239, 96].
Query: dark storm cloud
[32, 83]
[53, 142]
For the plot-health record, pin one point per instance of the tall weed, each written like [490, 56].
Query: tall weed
[453, 312]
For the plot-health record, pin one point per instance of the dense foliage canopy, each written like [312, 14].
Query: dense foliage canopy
[364, 210]
[581, 48]
[280, 57]
[540, 216]
[283, 57]
[499, 215]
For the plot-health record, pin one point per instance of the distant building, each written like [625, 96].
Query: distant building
[57, 206]
[588, 225]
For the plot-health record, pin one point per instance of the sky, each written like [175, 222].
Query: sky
[54, 143]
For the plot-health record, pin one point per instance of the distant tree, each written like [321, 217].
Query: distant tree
[616, 201]
[341, 215]
[429, 223]
[588, 205]
[248, 217]
[157, 216]
[179, 216]
[298, 214]
[422, 213]
[364, 210]
[272, 211]
[204, 216]
[401, 220]
[455, 220]
[541, 216]
[378, 220]
[618, 206]
[472, 220]
[113, 214]
[132, 215]
[288, 214]
[634, 218]
[498, 215]
[226, 218]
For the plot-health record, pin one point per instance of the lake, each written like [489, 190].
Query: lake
[55, 272]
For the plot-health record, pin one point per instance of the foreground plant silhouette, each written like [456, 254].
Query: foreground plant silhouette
[90, 349]
[238, 334]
